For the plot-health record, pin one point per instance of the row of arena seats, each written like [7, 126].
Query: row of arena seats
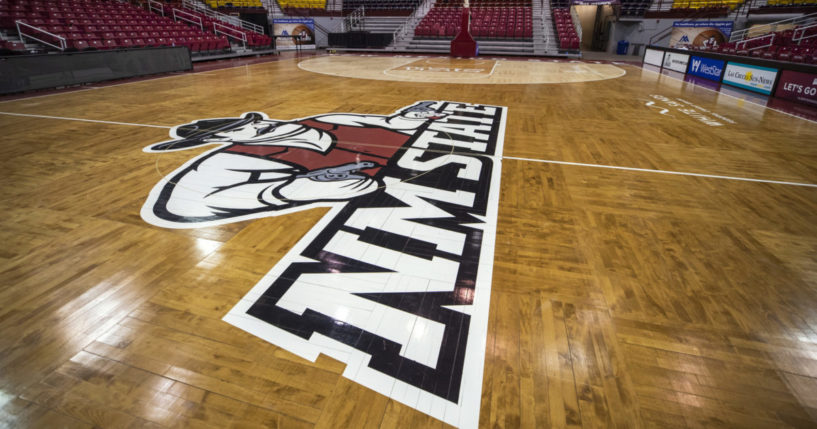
[97, 24]
[350, 5]
[8, 47]
[253, 39]
[634, 7]
[499, 3]
[789, 3]
[102, 25]
[565, 30]
[486, 23]
[706, 4]
[483, 3]
[241, 4]
[701, 12]
[302, 4]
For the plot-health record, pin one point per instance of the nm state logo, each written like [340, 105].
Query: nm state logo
[395, 279]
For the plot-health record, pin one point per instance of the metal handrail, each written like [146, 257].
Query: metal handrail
[63, 43]
[354, 19]
[742, 44]
[803, 36]
[156, 7]
[772, 27]
[412, 21]
[179, 14]
[577, 23]
[212, 14]
[242, 37]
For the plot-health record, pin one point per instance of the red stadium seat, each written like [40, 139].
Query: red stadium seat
[79, 45]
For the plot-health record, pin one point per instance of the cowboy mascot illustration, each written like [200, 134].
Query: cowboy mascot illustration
[265, 165]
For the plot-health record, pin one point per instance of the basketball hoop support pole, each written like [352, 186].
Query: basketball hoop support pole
[464, 45]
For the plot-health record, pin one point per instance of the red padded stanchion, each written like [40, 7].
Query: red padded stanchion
[464, 45]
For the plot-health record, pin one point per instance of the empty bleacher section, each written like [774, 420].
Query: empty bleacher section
[798, 44]
[395, 7]
[634, 8]
[234, 4]
[489, 20]
[565, 29]
[687, 8]
[784, 6]
[302, 4]
[308, 7]
[99, 24]
[220, 27]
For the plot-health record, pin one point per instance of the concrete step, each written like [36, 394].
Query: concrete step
[485, 46]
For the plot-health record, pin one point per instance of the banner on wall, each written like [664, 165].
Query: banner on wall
[706, 34]
[290, 32]
[676, 62]
[654, 57]
[797, 86]
[706, 68]
[753, 78]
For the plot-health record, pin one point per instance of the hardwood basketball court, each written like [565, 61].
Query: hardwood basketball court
[654, 261]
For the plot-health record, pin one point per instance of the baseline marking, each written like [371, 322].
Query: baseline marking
[677, 173]
[544, 161]
[83, 120]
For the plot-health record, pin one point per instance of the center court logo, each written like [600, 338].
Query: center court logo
[395, 279]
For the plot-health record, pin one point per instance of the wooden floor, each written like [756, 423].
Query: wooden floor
[620, 298]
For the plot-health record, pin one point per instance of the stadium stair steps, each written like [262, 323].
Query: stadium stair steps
[31, 46]
[544, 36]
[383, 24]
[494, 47]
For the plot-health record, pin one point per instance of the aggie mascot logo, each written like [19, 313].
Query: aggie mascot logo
[395, 279]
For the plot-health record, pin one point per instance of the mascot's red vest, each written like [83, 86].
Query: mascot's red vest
[352, 144]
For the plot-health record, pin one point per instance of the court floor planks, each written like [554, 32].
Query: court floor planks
[655, 262]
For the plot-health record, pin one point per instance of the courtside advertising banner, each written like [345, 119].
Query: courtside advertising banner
[293, 32]
[706, 34]
[654, 57]
[676, 62]
[797, 86]
[706, 68]
[754, 78]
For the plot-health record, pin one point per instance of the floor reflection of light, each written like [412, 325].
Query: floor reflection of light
[206, 247]
[5, 398]
[342, 314]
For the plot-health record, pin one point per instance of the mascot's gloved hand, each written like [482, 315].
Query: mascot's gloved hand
[333, 183]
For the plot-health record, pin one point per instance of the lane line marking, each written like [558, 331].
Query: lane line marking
[649, 170]
[83, 120]
[70, 91]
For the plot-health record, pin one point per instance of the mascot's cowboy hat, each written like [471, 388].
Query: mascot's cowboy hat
[198, 132]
